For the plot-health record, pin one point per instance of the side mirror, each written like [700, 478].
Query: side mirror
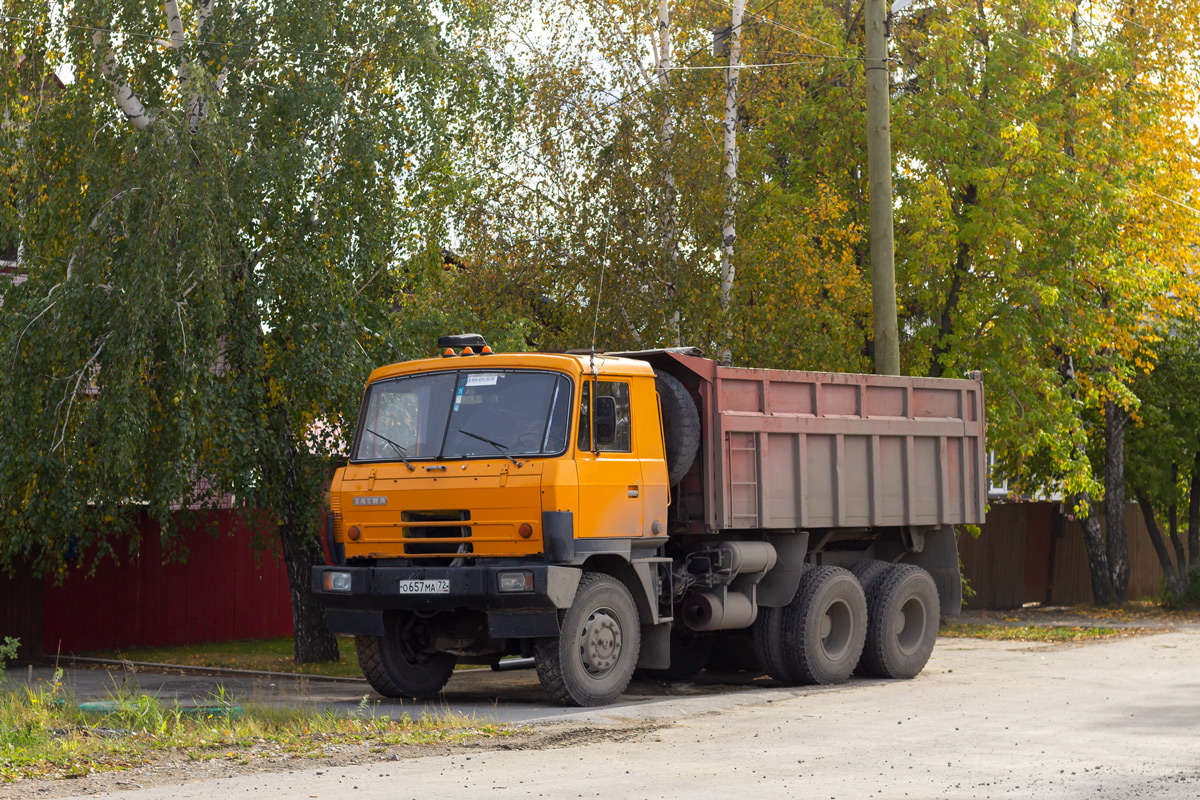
[606, 420]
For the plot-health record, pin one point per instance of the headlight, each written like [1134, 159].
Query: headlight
[516, 581]
[335, 581]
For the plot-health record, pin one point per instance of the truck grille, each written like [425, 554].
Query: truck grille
[432, 533]
[335, 506]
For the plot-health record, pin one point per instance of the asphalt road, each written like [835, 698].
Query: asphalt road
[1114, 719]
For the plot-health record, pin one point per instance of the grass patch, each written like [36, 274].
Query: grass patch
[273, 655]
[1032, 633]
[44, 734]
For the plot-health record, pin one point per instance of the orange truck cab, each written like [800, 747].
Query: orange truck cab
[563, 508]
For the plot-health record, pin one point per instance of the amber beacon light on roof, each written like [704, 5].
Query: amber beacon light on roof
[595, 513]
[472, 344]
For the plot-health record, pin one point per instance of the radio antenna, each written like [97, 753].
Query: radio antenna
[599, 292]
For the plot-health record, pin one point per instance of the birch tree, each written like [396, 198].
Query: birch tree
[216, 227]
[730, 170]
[1046, 187]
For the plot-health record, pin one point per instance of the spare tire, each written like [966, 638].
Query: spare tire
[681, 425]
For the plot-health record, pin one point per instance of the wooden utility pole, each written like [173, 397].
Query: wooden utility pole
[879, 178]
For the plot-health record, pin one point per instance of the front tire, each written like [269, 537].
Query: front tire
[398, 664]
[904, 614]
[592, 660]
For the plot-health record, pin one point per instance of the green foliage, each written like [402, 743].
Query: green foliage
[1032, 633]
[8, 652]
[1164, 440]
[1043, 174]
[45, 733]
[203, 306]
[1167, 597]
[272, 655]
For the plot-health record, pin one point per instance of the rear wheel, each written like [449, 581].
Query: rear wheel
[592, 660]
[399, 663]
[768, 644]
[903, 609]
[868, 573]
[824, 626]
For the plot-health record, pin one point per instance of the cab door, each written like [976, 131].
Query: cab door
[611, 491]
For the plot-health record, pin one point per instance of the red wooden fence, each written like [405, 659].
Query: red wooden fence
[225, 590]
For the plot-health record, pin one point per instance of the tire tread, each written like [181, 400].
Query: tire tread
[876, 660]
[548, 655]
[370, 660]
[796, 634]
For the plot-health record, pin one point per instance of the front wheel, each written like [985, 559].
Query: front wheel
[592, 660]
[400, 663]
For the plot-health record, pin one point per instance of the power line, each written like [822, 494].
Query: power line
[159, 37]
[769, 21]
[642, 85]
[777, 64]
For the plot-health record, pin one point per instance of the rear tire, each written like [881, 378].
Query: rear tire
[868, 573]
[681, 425]
[825, 626]
[904, 613]
[592, 660]
[768, 644]
[396, 664]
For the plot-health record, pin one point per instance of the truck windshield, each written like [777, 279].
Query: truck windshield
[454, 414]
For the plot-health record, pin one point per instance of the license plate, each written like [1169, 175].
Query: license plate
[439, 586]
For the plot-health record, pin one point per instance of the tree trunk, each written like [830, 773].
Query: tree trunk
[1117, 550]
[668, 223]
[1160, 547]
[1194, 516]
[728, 231]
[1176, 539]
[127, 100]
[302, 552]
[1093, 540]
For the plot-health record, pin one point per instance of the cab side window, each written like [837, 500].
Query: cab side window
[604, 417]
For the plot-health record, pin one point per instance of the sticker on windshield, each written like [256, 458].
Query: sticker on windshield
[458, 398]
[482, 380]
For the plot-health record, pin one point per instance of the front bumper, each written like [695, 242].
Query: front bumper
[374, 590]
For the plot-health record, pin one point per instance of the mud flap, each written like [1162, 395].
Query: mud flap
[656, 646]
[939, 558]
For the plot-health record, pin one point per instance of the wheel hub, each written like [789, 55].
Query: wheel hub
[600, 644]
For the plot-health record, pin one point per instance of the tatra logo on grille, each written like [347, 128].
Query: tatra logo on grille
[371, 501]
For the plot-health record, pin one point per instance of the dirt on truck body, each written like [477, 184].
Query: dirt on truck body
[606, 512]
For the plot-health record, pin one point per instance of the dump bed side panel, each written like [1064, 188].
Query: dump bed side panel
[788, 449]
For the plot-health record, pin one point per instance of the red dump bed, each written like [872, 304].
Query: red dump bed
[785, 449]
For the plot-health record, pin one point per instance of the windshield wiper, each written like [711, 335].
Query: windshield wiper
[399, 449]
[503, 450]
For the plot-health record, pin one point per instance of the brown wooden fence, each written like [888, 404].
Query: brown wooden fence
[1031, 553]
